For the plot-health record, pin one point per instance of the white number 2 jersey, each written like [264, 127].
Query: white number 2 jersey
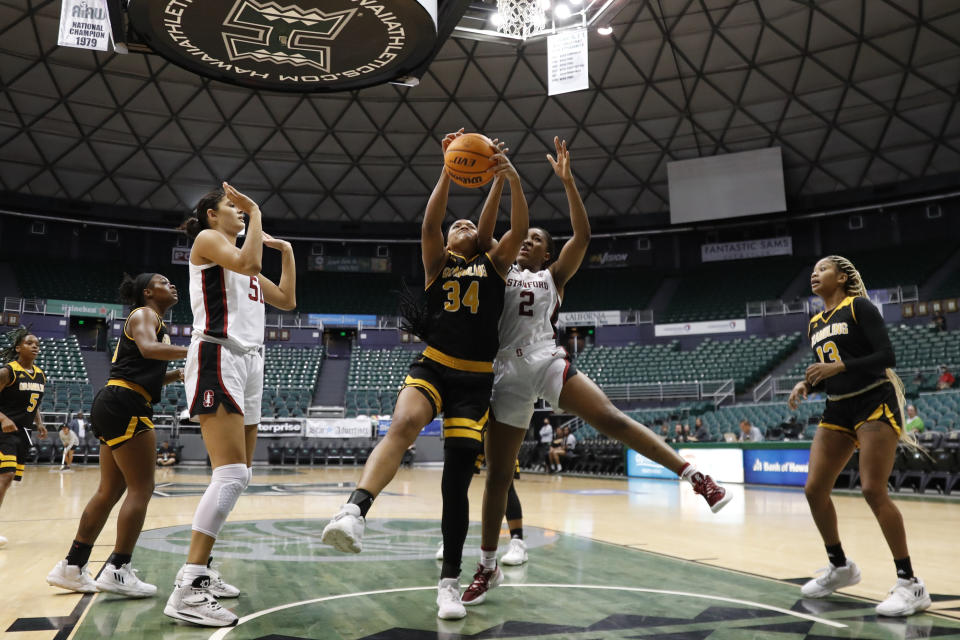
[531, 307]
[227, 305]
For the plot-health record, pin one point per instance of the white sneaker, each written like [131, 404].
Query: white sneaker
[906, 598]
[439, 554]
[3, 542]
[72, 578]
[345, 531]
[123, 581]
[833, 578]
[449, 606]
[193, 603]
[516, 553]
[218, 588]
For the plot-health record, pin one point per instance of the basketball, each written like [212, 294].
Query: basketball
[469, 160]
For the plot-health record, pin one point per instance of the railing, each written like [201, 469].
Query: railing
[764, 389]
[717, 390]
[24, 305]
[726, 390]
[809, 306]
[784, 384]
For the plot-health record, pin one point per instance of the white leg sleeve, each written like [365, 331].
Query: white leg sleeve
[218, 500]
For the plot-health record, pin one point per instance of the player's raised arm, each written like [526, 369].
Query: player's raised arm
[505, 253]
[571, 256]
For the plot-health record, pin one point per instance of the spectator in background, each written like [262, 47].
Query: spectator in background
[664, 432]
[749, 433]
[678, 434]
[70, 442]
[914, 422]
[687, 434]
[792, 429]
[701, 433]
[79, 426]
[939, 322]
[946, 379]
[166, 455]
[568, 444]
[546, 438]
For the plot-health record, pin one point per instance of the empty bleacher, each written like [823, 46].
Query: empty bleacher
[722, 290]
[743, 360]
[374, 378]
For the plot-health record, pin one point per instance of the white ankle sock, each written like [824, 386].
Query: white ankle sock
[488, 558]
[687, 472]
[192, 571]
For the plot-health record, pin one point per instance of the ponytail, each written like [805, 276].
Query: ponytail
[198, 222]
[414, 313]
[855, 286]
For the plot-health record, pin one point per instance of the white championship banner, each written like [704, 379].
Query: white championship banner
[567, 68]
[85, 24]
[339, 428]
[762, 248]
[699, 328]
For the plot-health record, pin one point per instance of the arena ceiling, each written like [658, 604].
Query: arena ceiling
[858, 93]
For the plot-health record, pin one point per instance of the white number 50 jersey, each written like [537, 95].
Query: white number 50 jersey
[531, 307]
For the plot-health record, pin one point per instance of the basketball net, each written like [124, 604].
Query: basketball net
[521, 18]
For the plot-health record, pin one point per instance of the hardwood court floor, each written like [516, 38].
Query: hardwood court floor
[642, 537]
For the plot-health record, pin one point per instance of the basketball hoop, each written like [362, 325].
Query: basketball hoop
[521, 18]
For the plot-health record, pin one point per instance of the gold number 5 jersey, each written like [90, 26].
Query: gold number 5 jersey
[465, 302]
[853, 332]
[20, 399]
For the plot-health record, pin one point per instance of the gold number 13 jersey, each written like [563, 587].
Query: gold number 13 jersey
[853, 332]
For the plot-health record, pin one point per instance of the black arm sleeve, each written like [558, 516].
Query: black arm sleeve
[871, 323]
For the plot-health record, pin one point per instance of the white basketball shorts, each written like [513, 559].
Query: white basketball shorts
[523, 375]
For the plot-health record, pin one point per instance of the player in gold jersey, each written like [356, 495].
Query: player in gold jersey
[454, 375]
[122, 418]
[864, 409]
[21, 391]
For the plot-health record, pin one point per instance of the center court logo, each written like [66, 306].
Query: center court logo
[302, 45]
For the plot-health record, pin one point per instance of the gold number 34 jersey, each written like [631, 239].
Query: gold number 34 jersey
[465, 302]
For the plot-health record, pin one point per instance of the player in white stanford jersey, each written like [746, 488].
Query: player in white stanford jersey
[224, 377]
[530, 365]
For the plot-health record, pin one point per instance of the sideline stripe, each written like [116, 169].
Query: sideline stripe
[222, 633]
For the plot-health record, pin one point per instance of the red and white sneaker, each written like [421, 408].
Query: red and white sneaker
[716, 496]
[483, 581]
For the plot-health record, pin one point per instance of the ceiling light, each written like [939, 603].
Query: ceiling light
[496, 19]
[562, 11]
[576, 1]
[545, 4]
[605, 31]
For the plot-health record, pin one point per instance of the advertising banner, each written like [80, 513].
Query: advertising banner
[639, 466]
[761, 248]
[281, 428]
[612, 259]
[180, 255]
[699, 328]
[725, 465]
[776, 466]
[349, 264]
[339, 428]
[80, 308]
[595, 318]
[433, 428]
[333, 320]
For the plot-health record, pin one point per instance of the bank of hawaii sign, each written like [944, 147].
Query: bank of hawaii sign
[300, 45]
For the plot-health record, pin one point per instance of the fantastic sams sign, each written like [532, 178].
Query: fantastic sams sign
[295, 45]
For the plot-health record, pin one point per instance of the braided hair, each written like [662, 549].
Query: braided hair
[16, 337]
[854, 286]
[414, 312]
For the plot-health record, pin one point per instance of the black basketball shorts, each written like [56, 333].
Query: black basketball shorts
[876, 405]
[119, 414]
